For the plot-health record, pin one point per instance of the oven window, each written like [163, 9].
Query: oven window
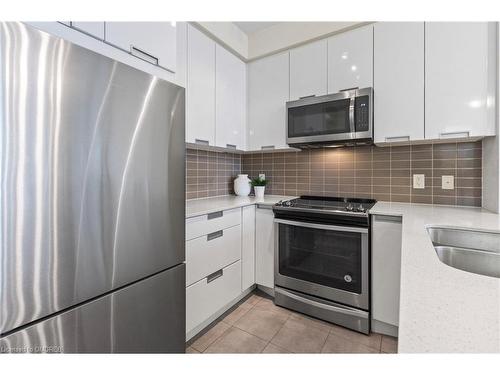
[319, 119]
[324, 257]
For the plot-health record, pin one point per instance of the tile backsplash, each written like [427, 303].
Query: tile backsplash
[210, 174]
[383, 173]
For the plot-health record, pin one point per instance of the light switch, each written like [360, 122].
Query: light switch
[419, 181]
[262, 176]
[447, 182]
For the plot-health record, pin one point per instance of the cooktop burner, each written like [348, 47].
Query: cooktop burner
[329, 204]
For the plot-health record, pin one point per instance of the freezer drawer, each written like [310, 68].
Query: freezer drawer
[145, 317]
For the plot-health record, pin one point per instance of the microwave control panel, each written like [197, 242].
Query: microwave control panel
[362, 113]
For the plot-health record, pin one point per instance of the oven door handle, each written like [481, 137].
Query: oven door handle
[321, 226]
[340, 309]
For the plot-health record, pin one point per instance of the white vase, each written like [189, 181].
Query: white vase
[242, 185]
[259, 191]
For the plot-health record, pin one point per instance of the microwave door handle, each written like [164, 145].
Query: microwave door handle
[351, 113]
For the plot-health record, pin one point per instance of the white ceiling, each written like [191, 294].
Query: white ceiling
[252, 27]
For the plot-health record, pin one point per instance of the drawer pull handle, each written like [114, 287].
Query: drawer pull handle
[214, 235]
[201, 142]
[270, 147]
[137, 52]
[214, 215]
[401, 138]
[308, 96]
[464, 134]
[350, 89]
[215, 276]
[228, 145]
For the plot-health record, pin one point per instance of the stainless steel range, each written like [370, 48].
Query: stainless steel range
[322, 258]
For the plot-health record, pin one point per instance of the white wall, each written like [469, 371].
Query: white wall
[289, 34]
[229, 35]
[272, 39]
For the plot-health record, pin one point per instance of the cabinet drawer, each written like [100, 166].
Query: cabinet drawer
[207, 296]
[209, 253]
[201, 225]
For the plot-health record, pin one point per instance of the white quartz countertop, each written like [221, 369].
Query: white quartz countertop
[196, 207]
[443, 309]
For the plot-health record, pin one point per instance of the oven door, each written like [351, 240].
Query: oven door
[326, 261]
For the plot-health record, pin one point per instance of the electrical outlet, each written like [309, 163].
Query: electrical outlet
[262, 176]
[419, 181]
[447, 182]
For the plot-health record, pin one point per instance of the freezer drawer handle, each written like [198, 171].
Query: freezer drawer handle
[214, 235]
[137, 52]
[215, 276]
[215, 215]
[228, 145]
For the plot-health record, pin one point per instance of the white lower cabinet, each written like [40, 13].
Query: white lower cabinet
[209, 295]
[220, 263]
[264, 247]
[247, 247]
[210, 253]
[386, 273]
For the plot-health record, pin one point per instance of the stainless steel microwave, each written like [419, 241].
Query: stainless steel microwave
[342, 118]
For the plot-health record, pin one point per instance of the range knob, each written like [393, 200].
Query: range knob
[361, 208]
[349, 207]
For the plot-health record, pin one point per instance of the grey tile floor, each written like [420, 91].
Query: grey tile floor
[256, 325]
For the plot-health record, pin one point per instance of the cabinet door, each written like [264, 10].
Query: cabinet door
[308, 70]
[96, 29]
[268, 92]
[350, 60]
[386, 268]
[264, 247]
[248, 247]
[459, 81]
[200, 106]
[230, 100]
[154, 42]
[399, 81]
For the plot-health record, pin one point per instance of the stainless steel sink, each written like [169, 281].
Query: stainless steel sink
[469, 250]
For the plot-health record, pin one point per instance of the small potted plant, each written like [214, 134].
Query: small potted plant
[259, 185]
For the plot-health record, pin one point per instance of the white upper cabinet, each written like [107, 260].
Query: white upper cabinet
[399, 81]
[154, 42]
[350, 60]
[200, 88]
[268, 92]
[95, 29]
[230, 100]
[308, 70]
[459, 79]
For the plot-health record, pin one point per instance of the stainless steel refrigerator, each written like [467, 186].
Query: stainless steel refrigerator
[91, 199]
